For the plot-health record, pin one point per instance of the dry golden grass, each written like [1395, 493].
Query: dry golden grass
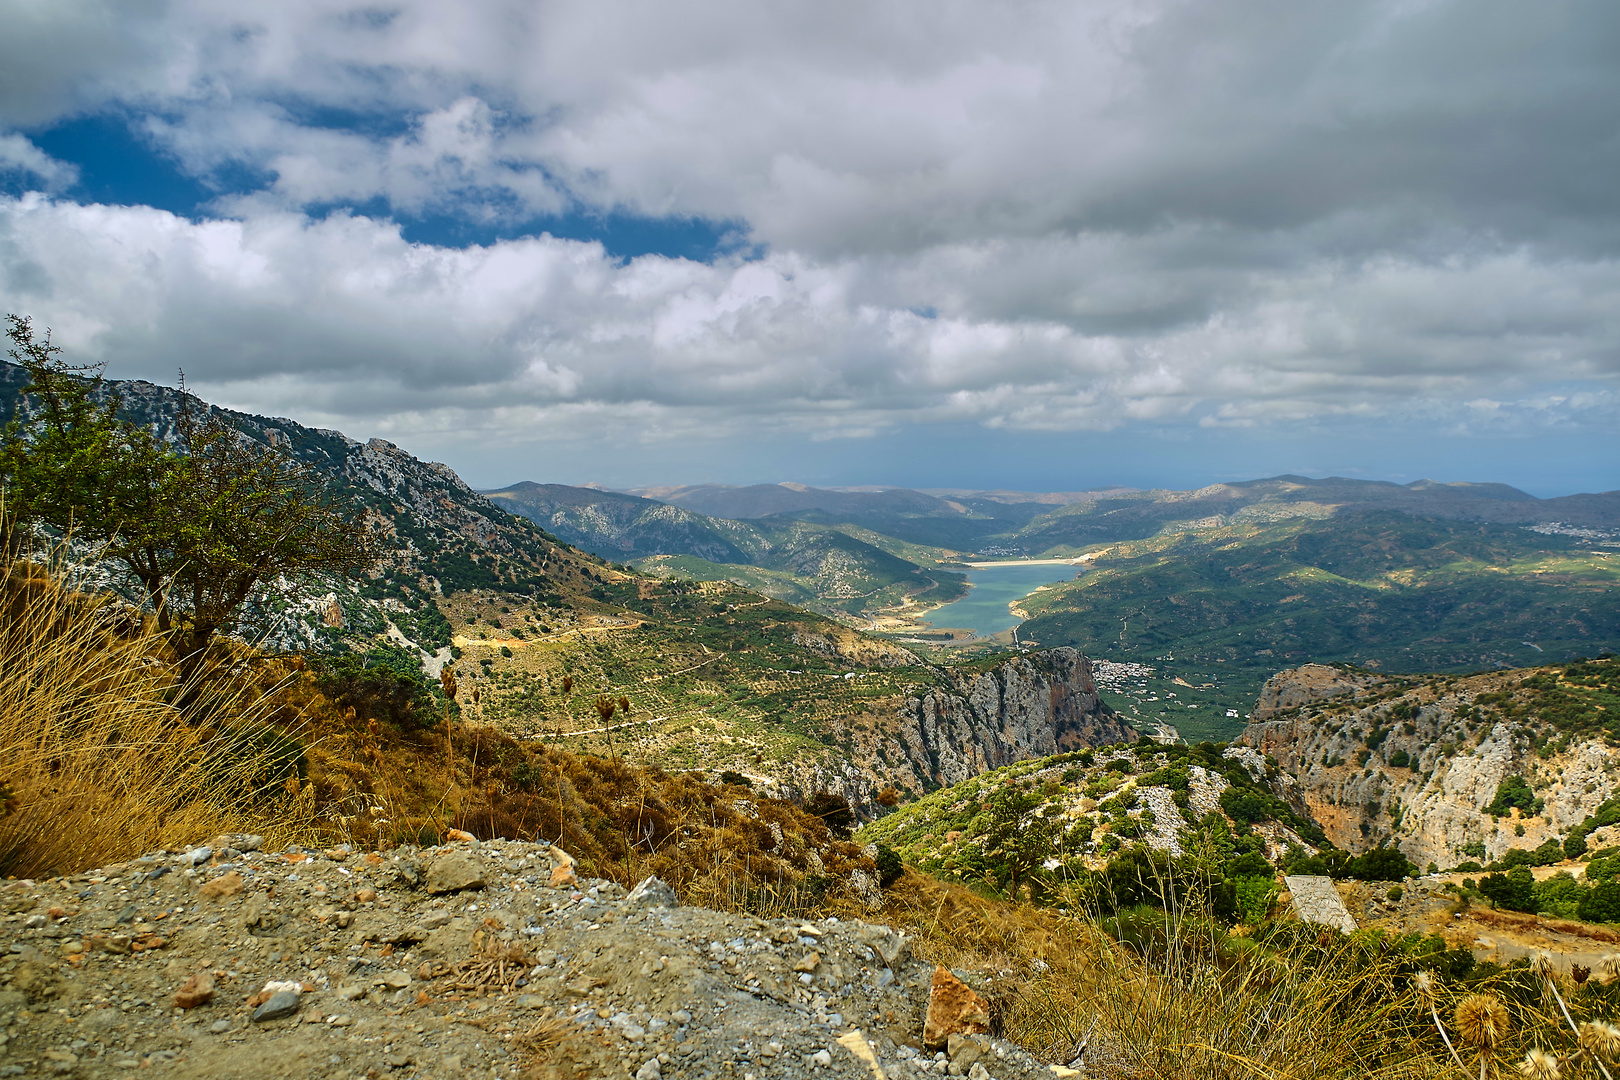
[1524, 922]
[1186, 1010]
[96, 763]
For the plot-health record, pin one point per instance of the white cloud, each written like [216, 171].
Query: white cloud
[1043, 215]
[18, 155]
[342, 322]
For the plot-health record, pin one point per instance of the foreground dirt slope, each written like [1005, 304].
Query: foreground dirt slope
[460, 960]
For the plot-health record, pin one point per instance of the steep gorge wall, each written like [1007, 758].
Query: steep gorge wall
[1316, 723]
[1033, 705]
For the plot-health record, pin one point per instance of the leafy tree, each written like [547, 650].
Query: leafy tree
[1514, 792]
[1602, 904]
[1380, 864]
[1018, 839]
[1559, 895]
[1513, 891]
[1248, 805]
[200, 525]
[75, 453]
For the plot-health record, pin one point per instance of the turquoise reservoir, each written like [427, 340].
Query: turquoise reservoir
[984, 609]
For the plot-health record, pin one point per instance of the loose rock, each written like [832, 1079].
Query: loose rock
[612, 982]
[454, 872]
[195, 991]
[652, 893]
[953, 1008]
[221, 887]
[282, 1003]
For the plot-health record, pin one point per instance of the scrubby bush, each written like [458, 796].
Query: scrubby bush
[1601, 904]
[833, 810]
[1514, 793]
[1513, 891]
[1380, 864]
[889, 865]
[382, 685]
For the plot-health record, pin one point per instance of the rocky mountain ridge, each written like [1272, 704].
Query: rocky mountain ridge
[1445, 768]
[442, 535]
[1033, 523]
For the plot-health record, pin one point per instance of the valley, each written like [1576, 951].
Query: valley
[739, 708]
[1217, 587]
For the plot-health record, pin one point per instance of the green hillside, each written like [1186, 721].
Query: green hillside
[1380, 589]
[1072, 828]
[838, 570]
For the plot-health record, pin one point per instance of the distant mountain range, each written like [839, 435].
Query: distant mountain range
[835, 570]
[443, 537]
[961, 522]
[1234, 580]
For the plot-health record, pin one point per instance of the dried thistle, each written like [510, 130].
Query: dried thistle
[1482, 1021]
[1601, 1038]
[1423, 983]
[1541, 964]
[1540, 1065]
[1579, 973]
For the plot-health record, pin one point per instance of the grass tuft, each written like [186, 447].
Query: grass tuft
[98, 764]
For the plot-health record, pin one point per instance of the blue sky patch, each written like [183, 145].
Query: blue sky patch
[119, 165]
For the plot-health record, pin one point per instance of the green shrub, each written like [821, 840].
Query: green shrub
[378, 686]
[1560, 895]
[889, 866]
[1514, 792]
[1380, 864]
[1601, 903]
[1250, 805]
[1513, 891]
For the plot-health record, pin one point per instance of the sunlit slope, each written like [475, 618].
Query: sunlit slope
[1377, 588]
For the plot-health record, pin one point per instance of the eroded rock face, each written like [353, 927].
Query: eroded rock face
[1456, 757]
[1034, 705]
[1308, 684]
[1031, 706]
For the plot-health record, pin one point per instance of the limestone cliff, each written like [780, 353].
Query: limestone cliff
[1029, 706]
[1417, 760]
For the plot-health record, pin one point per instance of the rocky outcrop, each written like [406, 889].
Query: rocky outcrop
[308, 964]
[1416, 762]
[1034, 705]
[1308, 684]
[1030, 706]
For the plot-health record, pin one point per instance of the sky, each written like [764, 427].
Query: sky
[1029, 245]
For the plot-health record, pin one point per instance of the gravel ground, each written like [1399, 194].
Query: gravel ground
[456, 961]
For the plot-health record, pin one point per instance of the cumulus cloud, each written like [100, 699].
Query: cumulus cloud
[20, 156]
[1044, 215]
[342, 320]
